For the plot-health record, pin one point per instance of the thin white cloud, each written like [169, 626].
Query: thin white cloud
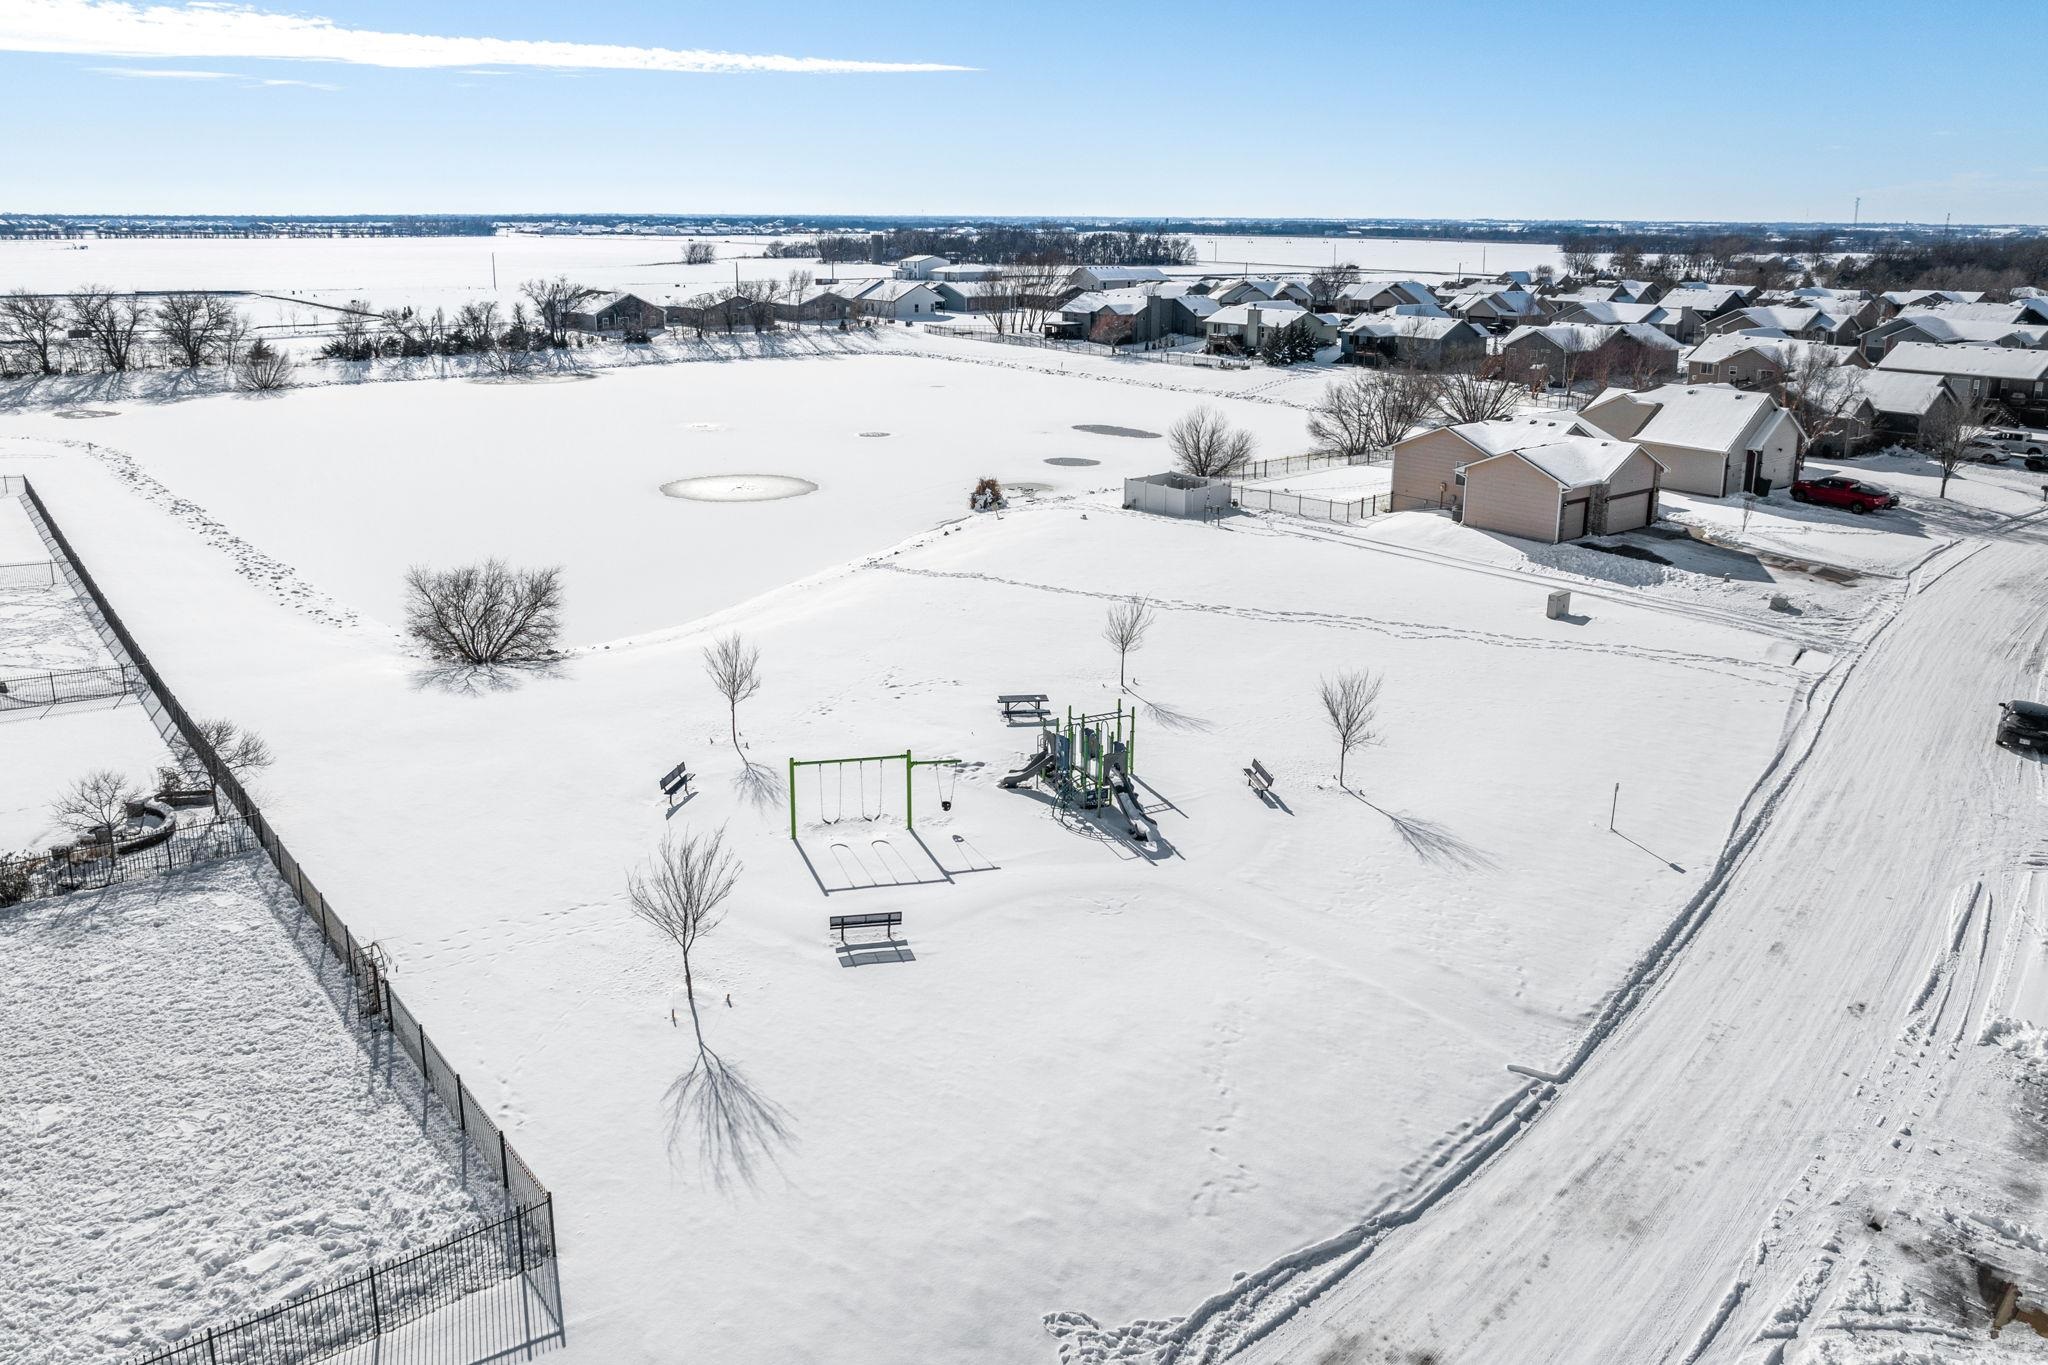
[116, 28]
[157, 73]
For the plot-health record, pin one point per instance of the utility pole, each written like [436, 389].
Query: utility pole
[1857, 219]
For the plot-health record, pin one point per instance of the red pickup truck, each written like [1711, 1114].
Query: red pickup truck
[1837, 491]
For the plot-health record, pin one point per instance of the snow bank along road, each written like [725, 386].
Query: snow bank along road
[1675, 1198]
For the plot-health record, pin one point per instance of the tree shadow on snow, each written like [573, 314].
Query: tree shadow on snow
[731, 1128]
[759, 785]
[469, 680]
[1434, 843]
[1169, 717]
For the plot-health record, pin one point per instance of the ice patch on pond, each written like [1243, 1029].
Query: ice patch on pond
[703, 426]
[1107, 429]
[874, 433]
[80, 414]
[1070, 461]
[739, 487]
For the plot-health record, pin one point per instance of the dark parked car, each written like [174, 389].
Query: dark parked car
[1834, 490]
[2023, 725]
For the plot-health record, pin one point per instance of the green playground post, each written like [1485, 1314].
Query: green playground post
[909, 772]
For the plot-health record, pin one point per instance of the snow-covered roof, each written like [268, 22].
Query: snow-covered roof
[1900, 390]
[1615, 312]
[1701, 416]
[1705, 297]
[1976, 362]
[1128, 274]
[1513, 433]
[1577, 461]
[1782, 350]
[1791, 317]
[1576, 338]
[1423, 326]
[1122, 302]
[885, 291]
[1272, 313]
[1904, 297]
[1408, 291]
[923, 260]
[1944, 328]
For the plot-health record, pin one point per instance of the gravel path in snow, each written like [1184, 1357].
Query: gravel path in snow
[188, 1131]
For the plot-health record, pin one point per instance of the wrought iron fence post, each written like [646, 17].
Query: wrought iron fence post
[519, 1230]
[211, 1358]
[376, 1314]
[504, 1167]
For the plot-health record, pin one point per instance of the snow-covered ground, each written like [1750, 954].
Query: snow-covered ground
[1101, 1079]
[189, 1132]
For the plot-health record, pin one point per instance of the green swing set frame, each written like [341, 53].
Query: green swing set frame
[910, 766]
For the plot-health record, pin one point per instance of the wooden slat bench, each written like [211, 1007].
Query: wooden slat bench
[1257, 778]
[677, 780]
[886, 920]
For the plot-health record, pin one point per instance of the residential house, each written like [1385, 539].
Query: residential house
[1803, 322]
[1092, 277]
[1898, 300]
[1999, 376]
[1497, 308]
[1541, 478]
[619, 315]
[1942, 329]
[1680, 324]
[1898, 406]
[1380, 296]
[1243, 289]
[818, 303]
[1754, 360]
[1114, 317]
[1710, 438]
[1708, 300]
[1428, 343]
[964, 273]
[1244, 326]
[919, 267]
[900, 299]
[1565, 352]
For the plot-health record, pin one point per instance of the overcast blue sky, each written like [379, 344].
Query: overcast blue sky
[1466, 108]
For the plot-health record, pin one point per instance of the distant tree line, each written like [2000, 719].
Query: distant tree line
[1825, 256]
[996, 245]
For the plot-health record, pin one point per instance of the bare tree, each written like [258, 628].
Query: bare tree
[191, 325]
[554, 300]
[241, 751]
[1325, 284]
[1946, 434]
[996, 295]
[1470, 391]
[112, 324]
[1351, 703]
[681, 892]
[1363, 415]
[734, 667]
[264, 368]
[485, 615]
[37, 322]
[1039, 283]
[1205, 445]
[234, 331]
[94, 805]
[1822, 391]
[1125, 630]
[354, 338]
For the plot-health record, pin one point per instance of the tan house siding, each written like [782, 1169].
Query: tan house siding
[1509, 495]
[1425, 469]
[1694, 471]
[1627, 507]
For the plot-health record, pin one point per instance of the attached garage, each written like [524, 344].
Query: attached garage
[1561, 490]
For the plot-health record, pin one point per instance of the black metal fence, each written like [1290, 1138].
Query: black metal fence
[26, 691]
[35, 573]
[87, 868]
[438, 1276]
[358, 1311]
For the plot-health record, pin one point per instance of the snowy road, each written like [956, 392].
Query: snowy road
[1674, 1200]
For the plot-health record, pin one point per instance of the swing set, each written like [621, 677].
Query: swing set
[871, 794]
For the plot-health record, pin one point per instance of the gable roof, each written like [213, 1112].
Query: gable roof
[1943, 328]
[1423, 326]
[1577, 461]
[1272, 313]
[1513, 433]
[1901, 391]
[1782, 351]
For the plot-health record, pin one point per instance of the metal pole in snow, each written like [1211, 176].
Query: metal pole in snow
[1613, 807]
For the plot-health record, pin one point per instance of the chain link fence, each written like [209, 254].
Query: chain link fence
[26, 691]
[354, 1311]
[35, 573]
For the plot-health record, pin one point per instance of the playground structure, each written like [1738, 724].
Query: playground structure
[1090, 763]
[872, 797]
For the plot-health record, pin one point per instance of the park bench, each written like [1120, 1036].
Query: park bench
[1031, 703]
[1257, 778]
[677, 780]
[886, 920]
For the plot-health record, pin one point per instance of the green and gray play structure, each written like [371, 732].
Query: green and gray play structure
[1090, 763]
[868, 810]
